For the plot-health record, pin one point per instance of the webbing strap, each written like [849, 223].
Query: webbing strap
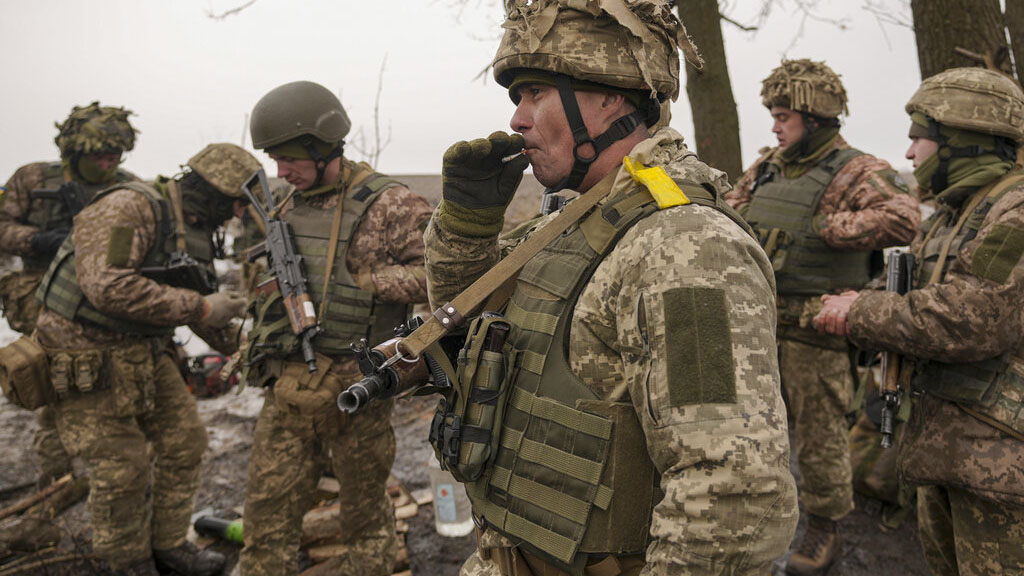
[940, 265]
[603, 499]
[559, 413]
[332, 246]
[563, 505]
[560, 461]
[532, 321]
[532, 361]
[553, 543]
[179, 217]
[432, 330]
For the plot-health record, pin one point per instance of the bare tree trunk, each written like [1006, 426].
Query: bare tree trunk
[1014, 18]
[715, 119]
[942, 26]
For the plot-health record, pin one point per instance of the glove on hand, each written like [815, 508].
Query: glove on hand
[474, 176]
[47, 242]
[220, 307]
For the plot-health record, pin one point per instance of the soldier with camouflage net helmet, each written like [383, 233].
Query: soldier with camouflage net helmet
[138, 263]
[959, 330]
[360, 234]
[822, 210]
[36, 207]
[640, 427]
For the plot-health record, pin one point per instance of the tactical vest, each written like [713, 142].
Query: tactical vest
[782, 212]
[571, 477]
[992, 389]
[61, 292]
[53, 213]
[351, 313]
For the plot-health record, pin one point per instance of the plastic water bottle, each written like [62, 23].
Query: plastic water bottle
[452, 511]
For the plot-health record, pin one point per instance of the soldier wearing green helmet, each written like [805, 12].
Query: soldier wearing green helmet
[138, 263]
[823, 211]
[360, 235]
[959, 329]
[36, 208]
[632, 421]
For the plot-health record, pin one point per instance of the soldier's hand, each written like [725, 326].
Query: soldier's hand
[832, 318]
[475, 176]
[220, 307]
[46, 243]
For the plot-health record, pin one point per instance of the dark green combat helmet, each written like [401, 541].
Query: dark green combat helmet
[95, 129]
[225, 166]
[298, 109]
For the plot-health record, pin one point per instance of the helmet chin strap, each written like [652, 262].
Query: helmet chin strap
[940, 179]
[811, 124]
[320, 160]
[619, 129]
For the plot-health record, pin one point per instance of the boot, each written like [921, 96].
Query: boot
[187, 560]
[144, 567]
[817, 550]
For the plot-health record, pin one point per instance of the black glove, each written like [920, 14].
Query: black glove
[474, 175]
[46, 243]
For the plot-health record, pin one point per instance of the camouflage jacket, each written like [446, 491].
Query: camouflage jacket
[15, 206]
[862, 209]
[730, 500]
[115, 290]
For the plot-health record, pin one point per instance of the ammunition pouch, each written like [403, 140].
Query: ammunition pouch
[468, 418]
[994, 388]
[24, 376]
[18, 300]
[775, 242]
[299, 393]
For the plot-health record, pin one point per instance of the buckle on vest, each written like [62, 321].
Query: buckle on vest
[437, 422]
[452, 439]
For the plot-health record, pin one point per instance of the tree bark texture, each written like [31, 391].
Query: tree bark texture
[940, 26]
[715, 119]
[1014, 18]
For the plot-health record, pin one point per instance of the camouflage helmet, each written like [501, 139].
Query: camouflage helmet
[628, 45]
[805, 86]
[224, 166]
[298, 109]
[974, 99]
[93, 129]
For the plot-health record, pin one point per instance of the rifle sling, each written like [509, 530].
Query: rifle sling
[332, 248]
[450, 315]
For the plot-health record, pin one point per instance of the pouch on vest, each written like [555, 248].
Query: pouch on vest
[468, 418]
[775, 242]
[993, 387]
[24, 376]
[298, 392]
[76, 370]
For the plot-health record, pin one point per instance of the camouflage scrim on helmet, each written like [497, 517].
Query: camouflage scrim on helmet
[632, 45]
[805, 86]
[225, 166]
[93, 129]
[974, 99]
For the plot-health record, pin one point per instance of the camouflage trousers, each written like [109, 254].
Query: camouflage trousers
[966, 535]
[496, 556]
[289, 455]
[54, 461]
[820, 390]
[147, 401]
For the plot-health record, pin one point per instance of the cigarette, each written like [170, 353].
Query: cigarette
[512, 157]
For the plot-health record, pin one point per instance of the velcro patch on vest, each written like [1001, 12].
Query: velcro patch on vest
[999, 253]
[664, 190]
[698, 347]
[119, 251]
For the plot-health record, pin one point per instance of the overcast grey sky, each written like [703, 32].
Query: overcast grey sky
[191, 80]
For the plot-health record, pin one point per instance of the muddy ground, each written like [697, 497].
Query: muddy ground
[867, 550]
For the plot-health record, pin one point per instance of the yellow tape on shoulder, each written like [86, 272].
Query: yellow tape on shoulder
[664, 190]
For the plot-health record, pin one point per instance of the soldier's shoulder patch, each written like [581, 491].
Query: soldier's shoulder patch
[698, 346]
[893, 178]
[119, 250]
[1000, 252]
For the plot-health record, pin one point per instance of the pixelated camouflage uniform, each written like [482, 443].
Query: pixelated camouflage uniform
[293, 447]
[971, 524]
[20, 219]
[730, 501]
[146, 401]
[864, 207]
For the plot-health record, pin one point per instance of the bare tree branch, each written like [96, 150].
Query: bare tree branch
[373, 154]
[737, 24]
[230, 12]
